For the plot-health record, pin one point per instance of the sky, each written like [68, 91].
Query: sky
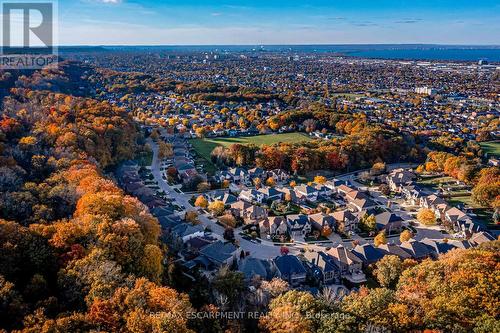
[260, 22]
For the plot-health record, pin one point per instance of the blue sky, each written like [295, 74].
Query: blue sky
[208, 22]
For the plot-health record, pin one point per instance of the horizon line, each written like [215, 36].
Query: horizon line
[264, 45]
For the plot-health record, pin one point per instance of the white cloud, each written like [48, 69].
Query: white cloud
[113, 2]
[95, 32]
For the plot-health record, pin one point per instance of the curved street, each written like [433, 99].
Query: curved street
[264, 249]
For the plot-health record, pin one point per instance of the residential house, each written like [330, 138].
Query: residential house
[454, 216]
[333, 184]
[239, 207]
[437, 246]
[398, 178]
[290, 269]
[239, 175]
[162, 211]
[168, 222]
[252, 195]
[349, 264]
[418, 250]
[298, 225]
[344, 189]
[288, 193]
[329, 272]
[362, 204]
[437, 204]
[480, 238]
[185, 231]
[279, 175]
[320, 220]
[306, 192]
[220, 253]
[256, 173]
[460, 243]
[389, 222]
[226, 198]
[355, 195]
[195, 244]
[257, 268]
[323, 191]
[395, 250]
[253, 214]
[345, 221]
[368, 253]
[411, 194]
[271, 194]
[273, 226]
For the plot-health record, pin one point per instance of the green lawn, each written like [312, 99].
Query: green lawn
[145, 158]
[491, 147]
[350, 96]
[467, 200]
[205, 146]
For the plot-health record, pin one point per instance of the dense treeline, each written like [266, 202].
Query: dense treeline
[361, 149]
[466, 168]
[76, 253]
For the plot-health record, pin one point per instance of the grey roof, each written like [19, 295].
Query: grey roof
[298, 218]
[270, 191]
[168, 222]
[251, 267]
[289, 264]
[437, 246]
[326, 262]
[162, 211]
[199, 242]
[238, 171]
[185, 166]
[417, 249]
[186, 229]
[481, 237]
[344, 256]
[393, 249]
[305, 189]
[226, 198]
[460, 244]
[386, 218]
[219, 251]
[368, 253]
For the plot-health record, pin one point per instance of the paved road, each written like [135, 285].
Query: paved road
[264, 250]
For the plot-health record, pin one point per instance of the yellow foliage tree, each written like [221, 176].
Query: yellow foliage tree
[426, 216]
[320, 179]
[380, 239]
[217, 207]
[201, 201]
[270, 182]
[405, 236]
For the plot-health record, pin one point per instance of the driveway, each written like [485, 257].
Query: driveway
[264, 250]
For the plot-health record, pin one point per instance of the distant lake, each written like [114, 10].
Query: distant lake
[492, 55]
[381, 51]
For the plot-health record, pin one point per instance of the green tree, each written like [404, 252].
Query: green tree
[388, 269]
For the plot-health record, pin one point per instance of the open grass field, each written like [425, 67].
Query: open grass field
[491, 147]
[435, 181]
[205, 146]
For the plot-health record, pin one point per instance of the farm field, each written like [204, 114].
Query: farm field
[205, 146]
[491, 147]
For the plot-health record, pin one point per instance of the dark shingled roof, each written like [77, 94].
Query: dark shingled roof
[289, 264]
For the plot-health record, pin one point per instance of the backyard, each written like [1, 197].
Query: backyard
[492, 148]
